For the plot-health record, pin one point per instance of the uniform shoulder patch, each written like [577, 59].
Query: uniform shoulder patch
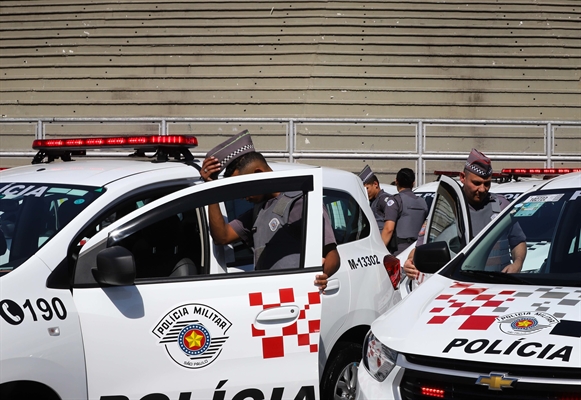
[274, 224]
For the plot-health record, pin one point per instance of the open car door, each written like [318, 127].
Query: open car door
[177, 327]
[448, 220]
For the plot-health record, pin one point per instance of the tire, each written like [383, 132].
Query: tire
[340, 375]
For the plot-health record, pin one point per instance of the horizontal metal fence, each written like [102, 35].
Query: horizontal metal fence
[346, 143]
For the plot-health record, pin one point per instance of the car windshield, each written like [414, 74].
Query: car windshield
[551, 224]
[32, 213]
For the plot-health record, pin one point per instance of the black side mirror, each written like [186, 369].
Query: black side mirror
[115, 267]
[431, 257]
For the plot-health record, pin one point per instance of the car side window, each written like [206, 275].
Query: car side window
[444, 226]
[123, 208]
[347, 219]
[171, 247]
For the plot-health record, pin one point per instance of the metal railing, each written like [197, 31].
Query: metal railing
[292, 126]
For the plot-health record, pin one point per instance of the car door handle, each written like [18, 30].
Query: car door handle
[278, 315]
[333, 286]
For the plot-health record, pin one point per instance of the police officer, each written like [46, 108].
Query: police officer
[405, 212]
[256, 227]
[377, 199]
[484, 206]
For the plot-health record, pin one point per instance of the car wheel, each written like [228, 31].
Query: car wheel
[340, 376]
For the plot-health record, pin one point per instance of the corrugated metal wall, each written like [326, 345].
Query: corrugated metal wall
[478, 61]
[492, 59]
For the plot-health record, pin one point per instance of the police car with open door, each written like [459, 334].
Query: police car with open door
[472, 333]
[111, 286]
[510, 183]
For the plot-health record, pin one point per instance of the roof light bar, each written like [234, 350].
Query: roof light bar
[539, 171]
[457, 173]
[134, 142]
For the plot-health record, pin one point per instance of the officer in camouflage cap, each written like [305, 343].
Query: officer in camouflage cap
[377, 199]
[508, 254]
[237, 156]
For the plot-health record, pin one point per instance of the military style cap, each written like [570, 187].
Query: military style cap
[366, 174]
[232, 148]
[479, 164]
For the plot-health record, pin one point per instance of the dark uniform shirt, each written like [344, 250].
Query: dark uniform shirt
[379, 206]
[282, 237]
[409, 212]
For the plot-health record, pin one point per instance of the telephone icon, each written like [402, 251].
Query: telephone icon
[11, 312]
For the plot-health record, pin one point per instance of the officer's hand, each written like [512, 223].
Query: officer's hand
[210, 166]
[321, 282]
[410, 269]
[512, 269]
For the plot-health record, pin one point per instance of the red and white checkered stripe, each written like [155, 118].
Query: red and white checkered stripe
[302, 335]
[468, 307]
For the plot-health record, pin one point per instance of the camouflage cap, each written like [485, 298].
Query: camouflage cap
[366, 174]
[478, 164]
[229, 150]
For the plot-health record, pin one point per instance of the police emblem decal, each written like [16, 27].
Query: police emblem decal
[194, 339]
[526, 322]
[193, 335]
[390, 203]
[274, 224]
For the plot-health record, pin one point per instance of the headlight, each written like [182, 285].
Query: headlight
[378, 359]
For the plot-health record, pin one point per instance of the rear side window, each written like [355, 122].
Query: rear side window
[31, 214]
[347, 219]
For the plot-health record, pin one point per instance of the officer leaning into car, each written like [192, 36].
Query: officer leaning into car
[483, 206]
[377, 199]
[405, 212]
[237, 156]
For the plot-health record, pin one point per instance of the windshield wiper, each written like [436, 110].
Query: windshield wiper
[495, 276]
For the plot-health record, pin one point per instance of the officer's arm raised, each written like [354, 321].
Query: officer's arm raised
[221, 232]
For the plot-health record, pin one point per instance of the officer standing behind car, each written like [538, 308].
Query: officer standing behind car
[377, 199]
[238, 157]
[405, 212]
[484, 207]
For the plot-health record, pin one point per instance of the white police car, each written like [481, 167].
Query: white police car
[470, 333]
[111, 287]
[510, 183]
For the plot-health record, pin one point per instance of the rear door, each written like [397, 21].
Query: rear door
[202, 333]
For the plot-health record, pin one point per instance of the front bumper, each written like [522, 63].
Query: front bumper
[369, 388]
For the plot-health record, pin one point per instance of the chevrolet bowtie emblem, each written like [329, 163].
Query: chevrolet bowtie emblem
[495, 381]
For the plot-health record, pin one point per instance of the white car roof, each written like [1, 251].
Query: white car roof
[92, 172]
[429, 187]
[572, 180]
[103, 171]
[516, 186]
[520, 186]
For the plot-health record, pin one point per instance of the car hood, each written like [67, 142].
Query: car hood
[508, 324]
